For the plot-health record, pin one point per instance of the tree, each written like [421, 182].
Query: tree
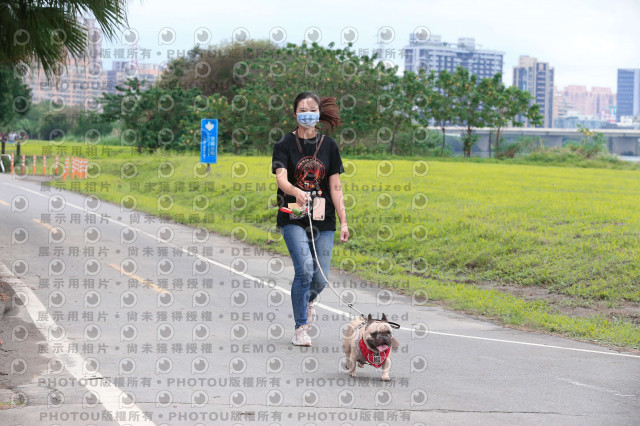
[419, 92]
[501, 106]
[397, 103]
[215, 69]
[467, 99]
[57, 123]
[44, 33]
[441, 103]
[151, 117]
[263, 99]
[15, 97]
[31, 121]
[494, 103]
[90, 123]
[214, 106]
[511, 103]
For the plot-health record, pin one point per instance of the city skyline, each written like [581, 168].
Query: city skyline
[585, 41]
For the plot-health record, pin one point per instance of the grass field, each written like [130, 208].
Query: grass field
[546, 248]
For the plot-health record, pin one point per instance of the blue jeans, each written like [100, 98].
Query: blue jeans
[308, 281]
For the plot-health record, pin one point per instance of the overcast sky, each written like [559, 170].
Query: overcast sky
[586, 41]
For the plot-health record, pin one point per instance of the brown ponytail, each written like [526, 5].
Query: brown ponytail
[330, 114]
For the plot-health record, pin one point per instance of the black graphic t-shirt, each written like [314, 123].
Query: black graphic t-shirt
[301, 175]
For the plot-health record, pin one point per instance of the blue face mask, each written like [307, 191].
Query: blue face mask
[308, 119]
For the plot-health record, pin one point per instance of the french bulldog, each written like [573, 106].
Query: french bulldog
[369, 341]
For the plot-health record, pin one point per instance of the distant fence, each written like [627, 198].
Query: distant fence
[73, 167]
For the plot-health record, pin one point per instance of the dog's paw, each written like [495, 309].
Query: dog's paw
[385, 378]
[361, 364]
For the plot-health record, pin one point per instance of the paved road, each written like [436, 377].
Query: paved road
[127, 320]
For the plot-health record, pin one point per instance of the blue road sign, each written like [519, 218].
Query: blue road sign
[209, 140]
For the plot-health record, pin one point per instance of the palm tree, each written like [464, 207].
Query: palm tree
[44, 32]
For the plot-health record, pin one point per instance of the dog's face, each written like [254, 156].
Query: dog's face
[378, 335]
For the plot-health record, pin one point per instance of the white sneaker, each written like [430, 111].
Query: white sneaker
[311, 313]
[301, 336]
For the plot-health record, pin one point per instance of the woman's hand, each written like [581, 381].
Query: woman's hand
[344, 233]
[302, 198]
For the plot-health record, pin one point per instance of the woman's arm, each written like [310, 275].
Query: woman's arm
[286, 187]
[335, 188]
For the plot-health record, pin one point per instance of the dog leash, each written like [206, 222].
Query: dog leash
[392, 324]
[350, 305]
[297, 212]
[322, 272]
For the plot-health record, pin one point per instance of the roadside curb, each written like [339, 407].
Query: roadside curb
[7, 292]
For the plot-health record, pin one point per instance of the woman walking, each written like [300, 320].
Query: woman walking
[307, 165]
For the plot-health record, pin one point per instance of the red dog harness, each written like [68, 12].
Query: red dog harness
[373, 358]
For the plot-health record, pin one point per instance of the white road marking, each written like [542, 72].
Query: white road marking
[109, 397]
[541, 345]
[593, 387]
[329, 308]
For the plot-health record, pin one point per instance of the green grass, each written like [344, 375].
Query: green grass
[573, 231]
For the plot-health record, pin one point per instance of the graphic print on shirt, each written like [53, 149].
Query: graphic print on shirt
[309, 173]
